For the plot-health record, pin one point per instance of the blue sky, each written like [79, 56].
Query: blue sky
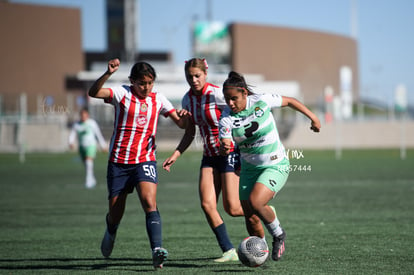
[384, 30]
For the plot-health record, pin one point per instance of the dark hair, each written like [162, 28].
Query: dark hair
[236, 80]
[84, 109]
[196, 63]
[141, 69]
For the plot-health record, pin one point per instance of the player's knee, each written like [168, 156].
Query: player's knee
[149, 205]
[208, 207]
[256, 205]
[233, 210]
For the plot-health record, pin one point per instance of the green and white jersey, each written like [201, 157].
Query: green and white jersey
[87, 133]
[255, 132]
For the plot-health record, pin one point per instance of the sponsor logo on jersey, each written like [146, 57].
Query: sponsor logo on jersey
[141, 120]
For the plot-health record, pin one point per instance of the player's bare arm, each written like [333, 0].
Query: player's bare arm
[96, 90]
[298, 106]
[185, 142]
[180, 118]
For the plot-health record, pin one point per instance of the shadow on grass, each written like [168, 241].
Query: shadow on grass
[77, 264]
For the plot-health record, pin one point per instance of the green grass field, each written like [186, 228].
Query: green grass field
[348, 216]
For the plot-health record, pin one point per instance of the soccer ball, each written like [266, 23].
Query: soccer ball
[253, 251]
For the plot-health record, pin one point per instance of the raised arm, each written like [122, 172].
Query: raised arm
[96, 90]
[298, 106]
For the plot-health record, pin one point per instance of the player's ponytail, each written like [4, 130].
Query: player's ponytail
[236, 80]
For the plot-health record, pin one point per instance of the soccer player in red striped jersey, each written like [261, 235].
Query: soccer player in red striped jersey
[132, 162]
[205, 102]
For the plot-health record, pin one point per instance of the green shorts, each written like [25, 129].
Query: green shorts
[87, 151]
[274, 178]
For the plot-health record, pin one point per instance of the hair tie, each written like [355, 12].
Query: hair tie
[233, 87]
[205, 63]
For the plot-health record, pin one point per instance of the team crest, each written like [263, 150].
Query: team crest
[141, 120]
[144, 107]
[258, 112]
[226, 131]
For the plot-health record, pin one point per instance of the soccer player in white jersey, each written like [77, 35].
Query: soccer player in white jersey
[205, 102]
[87, 132]
[248, 120]
[132, 162]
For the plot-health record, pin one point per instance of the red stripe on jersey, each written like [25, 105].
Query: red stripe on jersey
[155, 115]
[127, 149]
[135, 125]
[146, 141]
[115, 140]
[133, 150]
[123, 125]
[206, 115]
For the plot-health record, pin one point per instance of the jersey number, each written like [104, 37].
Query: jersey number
[149, 171]
[250, 128]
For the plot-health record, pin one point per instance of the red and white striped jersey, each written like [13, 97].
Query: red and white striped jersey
[206, 111]
[135, 125]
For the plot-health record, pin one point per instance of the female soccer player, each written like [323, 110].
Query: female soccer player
[205, 102]
[132, 160]
[86, 130]
[264, 166]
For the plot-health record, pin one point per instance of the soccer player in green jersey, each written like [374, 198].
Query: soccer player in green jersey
[88, 135]
[248, 121]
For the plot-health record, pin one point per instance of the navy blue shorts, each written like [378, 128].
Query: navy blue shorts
[229, 163]
[122, 178]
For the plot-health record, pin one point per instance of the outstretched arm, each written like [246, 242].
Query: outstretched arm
[72, 137]
[96, 90]
[298, 106]
[185, 142]
[181, 118]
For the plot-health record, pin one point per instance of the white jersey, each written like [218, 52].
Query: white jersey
[87, 133]
[255, 132]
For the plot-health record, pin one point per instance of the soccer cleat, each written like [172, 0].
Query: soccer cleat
[278, 246]
[159, 256]
[228, 256]
[107, 244]
[90, 184]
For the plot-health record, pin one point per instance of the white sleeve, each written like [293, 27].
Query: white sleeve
[98, 135]
[167, 106]
[117, 94]
[225, 124]
[72, 135]
[273, 100]
[219, 97]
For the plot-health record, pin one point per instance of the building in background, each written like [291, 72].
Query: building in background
[41, 45]
[312, 59]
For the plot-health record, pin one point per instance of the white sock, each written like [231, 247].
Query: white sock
[90, 178]
[274, 228]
